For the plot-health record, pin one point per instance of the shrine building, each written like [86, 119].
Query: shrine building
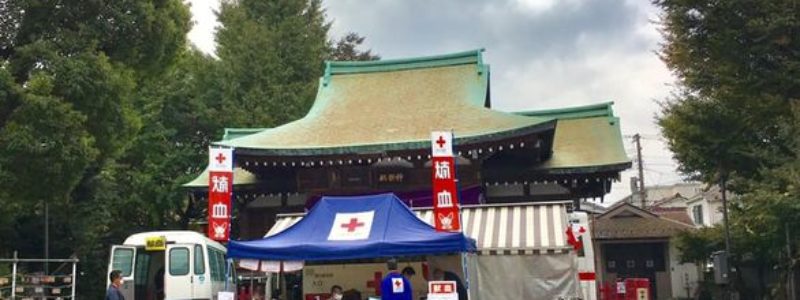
[369, 131]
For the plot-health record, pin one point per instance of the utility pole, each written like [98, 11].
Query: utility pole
[642, 193]
[723, 189]
[792, 292]
[46, 237]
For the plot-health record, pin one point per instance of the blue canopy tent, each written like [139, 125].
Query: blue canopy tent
[344, 228]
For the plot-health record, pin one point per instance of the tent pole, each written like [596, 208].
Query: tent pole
[282, 279]
[465, 269]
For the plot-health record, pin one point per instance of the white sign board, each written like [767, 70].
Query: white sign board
[442, 290]
[225, 296]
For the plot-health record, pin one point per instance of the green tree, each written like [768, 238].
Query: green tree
[70, 72]
[734, 116]
[346, 48]
[271, 56]
[737, 65]
[179, 124]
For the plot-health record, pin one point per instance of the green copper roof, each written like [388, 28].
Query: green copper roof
[577, 112]
[234, 133]
[586, 138]
[241, 177]
[367, 107]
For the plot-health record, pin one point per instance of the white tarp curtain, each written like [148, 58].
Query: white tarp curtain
[270, 266]
[551, 276]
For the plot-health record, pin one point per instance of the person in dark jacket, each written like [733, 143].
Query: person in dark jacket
[440, 275]
[113, 292]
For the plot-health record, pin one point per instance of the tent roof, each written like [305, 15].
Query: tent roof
[394, 231]
[393, 105]
[508, 228]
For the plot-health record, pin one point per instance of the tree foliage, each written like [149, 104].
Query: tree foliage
[70, 72]
[347, 49]
[105, 111]
[271, 56]
[735, 115]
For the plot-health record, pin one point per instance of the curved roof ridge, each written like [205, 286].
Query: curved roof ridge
[388, 65]
[603, 109]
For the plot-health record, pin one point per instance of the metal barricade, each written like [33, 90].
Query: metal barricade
[26, 282]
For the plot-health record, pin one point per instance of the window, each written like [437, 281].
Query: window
[216, 262]
[178, 261]
[123, 261]
[199, 263]
[697, 214]
[221, 262]
[212, 264]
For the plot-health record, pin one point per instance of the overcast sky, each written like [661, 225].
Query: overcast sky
[543, 54]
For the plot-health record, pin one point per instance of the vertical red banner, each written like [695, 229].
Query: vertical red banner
[446, 211]
[220, 190]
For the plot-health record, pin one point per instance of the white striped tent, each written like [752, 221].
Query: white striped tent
[514, 228]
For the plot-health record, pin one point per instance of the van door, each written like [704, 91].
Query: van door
[123, 259]
[202, 287]
[178, 277]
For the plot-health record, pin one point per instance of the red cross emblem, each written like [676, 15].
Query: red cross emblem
[354, 223]
[220, 158]
[441, 142]
[375, 283]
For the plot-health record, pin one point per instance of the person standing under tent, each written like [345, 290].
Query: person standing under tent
[336, 293]
[440, 275]
[395, 286]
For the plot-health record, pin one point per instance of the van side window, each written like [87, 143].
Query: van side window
[216, 274]
[199, 262]
[178, 261]
[221, 262]
[123, 261]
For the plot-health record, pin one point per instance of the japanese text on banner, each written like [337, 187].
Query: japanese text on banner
[220, 189]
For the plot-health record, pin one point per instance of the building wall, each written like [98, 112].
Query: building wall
[715, 213]
[712, 211]
[683, 277]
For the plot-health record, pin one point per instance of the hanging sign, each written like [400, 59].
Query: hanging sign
[220, 189]
[445, 192]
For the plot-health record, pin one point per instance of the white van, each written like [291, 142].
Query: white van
[585, 258]
[185, 263]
